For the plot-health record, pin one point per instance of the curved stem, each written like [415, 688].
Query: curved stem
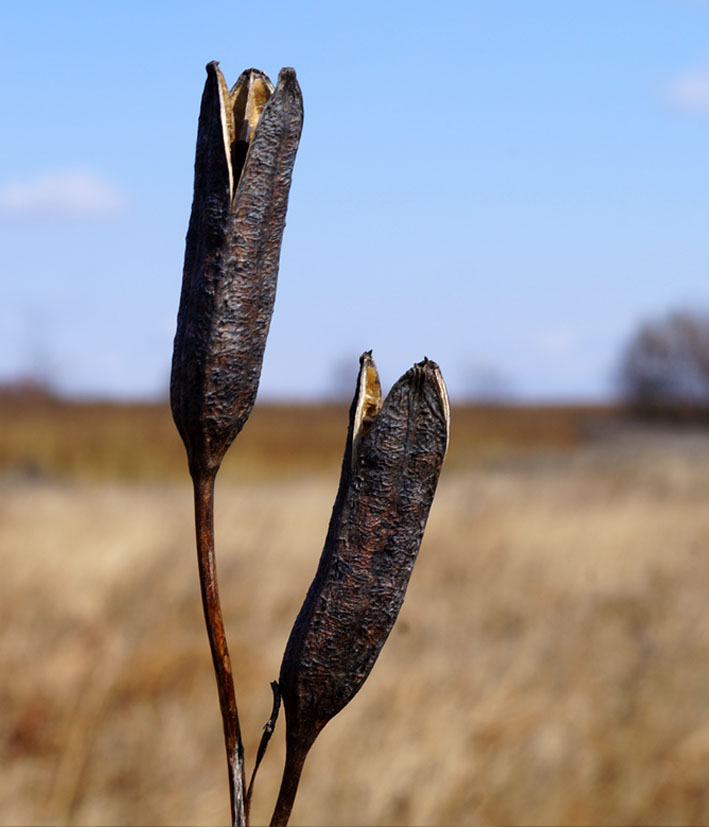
[204, 524]
[296, 753]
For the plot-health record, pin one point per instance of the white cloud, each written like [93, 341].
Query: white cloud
[75, 192]
[691, 90]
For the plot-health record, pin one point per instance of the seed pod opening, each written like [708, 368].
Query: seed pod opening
[241, 109]
[367, 402]
[247, 140]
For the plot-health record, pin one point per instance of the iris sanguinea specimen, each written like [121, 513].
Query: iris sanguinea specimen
[247, 139]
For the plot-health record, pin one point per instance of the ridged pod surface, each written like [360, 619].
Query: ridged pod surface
[389, 477]
[247, 140]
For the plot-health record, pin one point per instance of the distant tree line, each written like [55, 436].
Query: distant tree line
[664, 369]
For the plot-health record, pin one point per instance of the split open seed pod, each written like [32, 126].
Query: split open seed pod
[390, 471]
[247, 140]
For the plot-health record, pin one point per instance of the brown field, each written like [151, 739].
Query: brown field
[550, 664]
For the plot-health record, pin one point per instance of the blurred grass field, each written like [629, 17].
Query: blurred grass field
[106, 441]
[550, 664]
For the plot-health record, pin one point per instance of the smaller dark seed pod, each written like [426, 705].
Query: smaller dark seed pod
[246, 145]
[389, 475]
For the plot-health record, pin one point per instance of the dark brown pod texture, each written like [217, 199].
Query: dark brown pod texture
[247, 140]
[389, 475]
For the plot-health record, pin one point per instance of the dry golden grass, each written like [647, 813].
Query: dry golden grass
[550, 664]
[102, 441]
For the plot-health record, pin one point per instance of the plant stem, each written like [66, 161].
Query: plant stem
[204, 524]
[296, 753]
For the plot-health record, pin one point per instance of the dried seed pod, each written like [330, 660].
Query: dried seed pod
[246, 145]
[389, 475]
[247, 139]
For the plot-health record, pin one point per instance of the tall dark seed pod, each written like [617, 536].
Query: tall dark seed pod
[389, 475]
[246, 144]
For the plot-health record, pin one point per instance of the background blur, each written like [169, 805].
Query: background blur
[504, 187]
[511, 189]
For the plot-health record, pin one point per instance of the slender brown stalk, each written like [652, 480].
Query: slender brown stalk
[204, 524]
[296, 753]
[247, 139]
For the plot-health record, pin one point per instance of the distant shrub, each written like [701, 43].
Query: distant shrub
[26, 389]
[664, 369]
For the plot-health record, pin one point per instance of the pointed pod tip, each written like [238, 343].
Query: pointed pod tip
[249, 77]
[213, 69]
[287, 75]
[425, 370]
[288, 82]
[214, 75]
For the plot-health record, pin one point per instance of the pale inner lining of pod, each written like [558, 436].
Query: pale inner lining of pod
[445, 401]
[369, 401]
[240, 111]
[227, 118]
[247, 99]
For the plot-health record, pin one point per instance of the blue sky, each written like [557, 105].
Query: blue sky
[505, 187]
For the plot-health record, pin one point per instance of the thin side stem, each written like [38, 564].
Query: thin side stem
[263, 745]
[204, 524]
